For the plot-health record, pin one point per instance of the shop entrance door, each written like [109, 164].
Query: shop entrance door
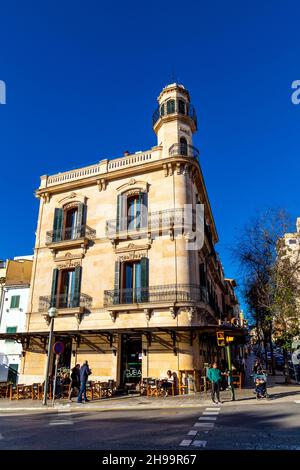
[131, 359]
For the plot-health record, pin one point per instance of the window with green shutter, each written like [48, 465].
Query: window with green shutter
[10, 329]
[15, 301]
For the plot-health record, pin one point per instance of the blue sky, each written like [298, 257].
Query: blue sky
[82, 80]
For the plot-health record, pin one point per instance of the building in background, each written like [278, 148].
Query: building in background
[137, 289]
[15, 278]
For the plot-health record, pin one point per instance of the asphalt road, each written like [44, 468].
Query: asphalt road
[240, 427]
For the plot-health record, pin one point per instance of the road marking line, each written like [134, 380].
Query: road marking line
[207, 418]
[57, 423]
[212, 409]
[204, 425]
[297, 401]
[185, 442]
[210, 413]
[199, 443]
[192, 433]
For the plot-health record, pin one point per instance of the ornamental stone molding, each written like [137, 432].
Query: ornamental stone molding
[113, 315]
[133, 255]
[148, 313]
[46, 197]
[46, 318]
[79, 317]
[132, 247]
[173, 311]
[68, 257]
[191, 313]
[133, 185]
[72, 199]
[102, 184]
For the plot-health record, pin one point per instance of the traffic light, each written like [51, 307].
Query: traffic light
[229, 339]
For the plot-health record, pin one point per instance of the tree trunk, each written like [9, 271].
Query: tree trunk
[266, 352]
[272, 356]
[286, 370]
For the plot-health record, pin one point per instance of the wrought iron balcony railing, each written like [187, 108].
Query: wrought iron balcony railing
[156, 294]
[161, 221]
[161, 112]
[64, 301]
[73, 233]
[183, 150]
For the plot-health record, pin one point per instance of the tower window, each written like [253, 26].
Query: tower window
[162, 110]
[183, 146]
[181, 106]
[170, 106]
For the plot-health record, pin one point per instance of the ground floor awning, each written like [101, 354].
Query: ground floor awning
[36, 341]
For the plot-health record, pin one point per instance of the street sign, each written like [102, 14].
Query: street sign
[221, 338]
[58, 347]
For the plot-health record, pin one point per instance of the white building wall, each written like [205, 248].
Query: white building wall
[11, 352]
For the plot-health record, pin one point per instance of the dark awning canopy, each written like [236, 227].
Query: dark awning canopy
[23, 337]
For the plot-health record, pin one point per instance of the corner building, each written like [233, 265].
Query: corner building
[112, 256]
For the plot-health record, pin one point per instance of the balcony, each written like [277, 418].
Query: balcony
[76, 302]
[183, 150]
[178, 220]
[191, 113]
[70, 236]
[171, 293]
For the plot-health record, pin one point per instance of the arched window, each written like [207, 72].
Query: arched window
[170, 106]
[162, 110]
[181, 106]
[183, 146]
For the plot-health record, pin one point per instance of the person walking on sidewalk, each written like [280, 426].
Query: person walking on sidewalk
[85, 371]
[215, 377]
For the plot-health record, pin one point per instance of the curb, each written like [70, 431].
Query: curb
[150, 407]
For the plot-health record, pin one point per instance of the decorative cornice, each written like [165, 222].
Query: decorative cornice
[131, 247]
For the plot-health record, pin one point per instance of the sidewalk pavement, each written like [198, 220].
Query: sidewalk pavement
[279, 393]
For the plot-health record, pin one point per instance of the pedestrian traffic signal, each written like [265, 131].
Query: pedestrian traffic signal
[229, 339]
[220, 338]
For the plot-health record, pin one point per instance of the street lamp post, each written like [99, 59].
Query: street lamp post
[52, 312]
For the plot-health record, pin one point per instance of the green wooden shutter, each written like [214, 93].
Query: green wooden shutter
[80, 220]
[121, 218]
[58, 225]
[54, 288]
[144, 210]
[75, 298]
[138, 212]
[15, 301]
[117, 283]
[118, 213]
[144, 279]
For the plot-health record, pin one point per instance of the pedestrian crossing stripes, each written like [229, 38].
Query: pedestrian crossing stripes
[185, 442]
[199, 443]
[207, 418]
[204, 425]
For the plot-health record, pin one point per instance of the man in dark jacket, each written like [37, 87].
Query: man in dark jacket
[85, 371]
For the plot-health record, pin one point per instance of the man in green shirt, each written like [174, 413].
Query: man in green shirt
[214, 376]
